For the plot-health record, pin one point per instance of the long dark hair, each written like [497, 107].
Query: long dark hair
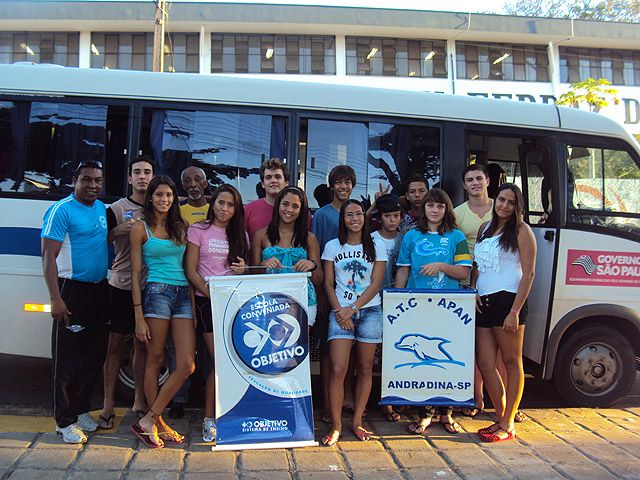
[175, 225]
[301, 226]
[236, 235]
[437, 195]
[509, 238]
[368, 246]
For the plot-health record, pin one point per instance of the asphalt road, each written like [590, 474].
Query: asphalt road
[25, 388]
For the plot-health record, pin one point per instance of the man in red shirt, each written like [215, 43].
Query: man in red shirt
[274, 177]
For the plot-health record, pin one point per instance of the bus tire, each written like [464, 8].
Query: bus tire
[595, 367]
[124, 391]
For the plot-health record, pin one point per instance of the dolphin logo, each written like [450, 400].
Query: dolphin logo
[429, 351]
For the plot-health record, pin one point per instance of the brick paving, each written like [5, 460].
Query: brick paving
[569, 443]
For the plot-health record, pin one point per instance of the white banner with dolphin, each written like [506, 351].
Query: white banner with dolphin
[428, 345]
[263, 381]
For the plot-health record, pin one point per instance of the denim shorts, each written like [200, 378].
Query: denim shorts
[166, 301]
[367, 323]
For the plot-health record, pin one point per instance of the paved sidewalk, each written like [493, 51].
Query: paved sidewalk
[554, 443]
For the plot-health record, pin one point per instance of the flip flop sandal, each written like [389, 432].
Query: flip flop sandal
[138, 413]
[494, 438]
[392, 416]
[417, 428]
[490, 429]
[171, 436]
[144, 437]
[330, 439]
[520, 417]
[106, 422]
[451, 427]
[362, 434]
[471, 412]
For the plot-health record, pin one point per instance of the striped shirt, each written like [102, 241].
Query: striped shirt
[82, 230]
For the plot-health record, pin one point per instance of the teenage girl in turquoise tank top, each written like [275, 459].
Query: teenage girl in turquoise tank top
[286, 245]
[159, 242]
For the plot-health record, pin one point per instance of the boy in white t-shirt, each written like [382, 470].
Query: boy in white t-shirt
[389, 213]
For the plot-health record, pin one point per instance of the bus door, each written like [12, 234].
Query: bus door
[540, 189]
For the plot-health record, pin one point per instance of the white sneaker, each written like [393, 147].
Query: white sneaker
[208, 430]
[71, 434]
[87, 423]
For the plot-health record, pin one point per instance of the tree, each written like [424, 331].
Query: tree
[606, 10]
[357, 269]
[590, 91]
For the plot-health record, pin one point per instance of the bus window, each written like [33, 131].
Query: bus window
[384, 153]
[604, 188]
[229, 147]
[536, 158]
[42, 142]
[500, 155]
[7, 145]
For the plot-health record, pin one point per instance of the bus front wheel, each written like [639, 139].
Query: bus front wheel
[595, 367]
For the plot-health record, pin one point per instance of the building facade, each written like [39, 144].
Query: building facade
[495, 56]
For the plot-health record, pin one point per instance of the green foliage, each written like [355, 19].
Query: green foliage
[606, 10]
[594, 93]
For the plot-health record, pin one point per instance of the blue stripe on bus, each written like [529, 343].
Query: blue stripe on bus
[26, 241]
[20, 241]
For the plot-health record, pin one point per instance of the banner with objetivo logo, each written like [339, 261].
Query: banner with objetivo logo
[263, 380]
[428, 345]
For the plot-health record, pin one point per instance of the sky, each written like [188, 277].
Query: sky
[474, 6]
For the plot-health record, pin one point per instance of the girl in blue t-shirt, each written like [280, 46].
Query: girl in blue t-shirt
[434, 255]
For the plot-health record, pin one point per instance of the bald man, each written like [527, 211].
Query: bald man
[195, 208]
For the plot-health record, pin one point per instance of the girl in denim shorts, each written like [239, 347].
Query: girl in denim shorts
[354, 267]
[159, 242]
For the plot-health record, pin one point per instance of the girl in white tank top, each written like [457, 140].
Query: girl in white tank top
[503, 271]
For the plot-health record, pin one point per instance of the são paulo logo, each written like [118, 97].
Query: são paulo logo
[269, 333]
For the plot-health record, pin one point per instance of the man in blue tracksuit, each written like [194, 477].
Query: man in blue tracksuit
[74, 261]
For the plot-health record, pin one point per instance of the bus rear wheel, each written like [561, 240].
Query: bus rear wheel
[125, 385]
[595, 367]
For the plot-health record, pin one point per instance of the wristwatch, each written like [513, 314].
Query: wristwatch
[354, 307]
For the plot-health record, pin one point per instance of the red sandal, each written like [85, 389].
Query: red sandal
[494, 438]
[490, 429]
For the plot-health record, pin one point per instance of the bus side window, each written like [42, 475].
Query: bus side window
[604, 188]
[42, 142]
[379, 153]
[228, 146]
[539, 186]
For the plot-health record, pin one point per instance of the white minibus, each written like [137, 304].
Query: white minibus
[580, 174]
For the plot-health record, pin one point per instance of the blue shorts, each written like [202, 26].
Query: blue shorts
[367, 323]
[166, 301]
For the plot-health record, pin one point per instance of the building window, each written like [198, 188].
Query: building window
[134, 51]
[497, 61]
[301, 54]
[56, 48]
[396, 57]
[620, 67]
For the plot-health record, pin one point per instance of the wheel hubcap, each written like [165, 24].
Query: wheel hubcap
[594, 368]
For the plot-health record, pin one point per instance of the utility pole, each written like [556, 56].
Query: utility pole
[158, 35]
